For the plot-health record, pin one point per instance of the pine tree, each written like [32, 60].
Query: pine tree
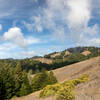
[18, 79]
[25, 86]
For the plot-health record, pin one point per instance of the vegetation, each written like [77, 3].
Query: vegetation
[58, 61]
[26, 64]
[63, 91]
[15, 77]
[14, 82]
[43, 79]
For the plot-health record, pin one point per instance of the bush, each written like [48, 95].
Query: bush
[65, 94]
[82, 79]
[63, 91]
[50, 90]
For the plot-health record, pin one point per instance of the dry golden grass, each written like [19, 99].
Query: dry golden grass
[85, 53]
[67, 53]
[86, 91]
[56, 54]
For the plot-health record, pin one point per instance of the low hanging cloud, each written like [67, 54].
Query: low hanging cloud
[71, 16]
[16, 36]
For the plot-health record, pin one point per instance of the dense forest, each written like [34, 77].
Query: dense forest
[15, 82]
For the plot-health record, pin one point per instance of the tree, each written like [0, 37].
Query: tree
[43, 79]
[18, 79]
[51, 78]
[6, 83]
[25, 86]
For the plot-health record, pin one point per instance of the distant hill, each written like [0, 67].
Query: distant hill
[75, 50]
[53, 60]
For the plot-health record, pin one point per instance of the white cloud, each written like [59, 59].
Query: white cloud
[64, 18]
[6, 50]
[16, 36]
[29, 26]
[9, 50]
[95, 41]
[5, 47]
[34, 25]
[0, 27]
[78, 18]
[79, 13]
[93, 30]
[27, 53]
[31, 40]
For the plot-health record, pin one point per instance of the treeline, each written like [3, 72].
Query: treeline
[26, 64]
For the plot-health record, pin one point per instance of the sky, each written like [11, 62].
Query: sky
[37, 27]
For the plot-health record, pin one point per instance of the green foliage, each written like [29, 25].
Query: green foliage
[69, 59]
[6, 83]
[25, 89]
[63, 91]
[58, 57]
[25, 86]
[25, 64]
[13, 82]
[59, 61]
[47, 56]
[82, 79]
[50, 90]
[43, 79]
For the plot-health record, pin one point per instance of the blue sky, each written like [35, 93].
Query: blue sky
[38, 27]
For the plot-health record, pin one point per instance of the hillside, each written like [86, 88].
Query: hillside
[86, 91]
[67, 57]
[44, 60]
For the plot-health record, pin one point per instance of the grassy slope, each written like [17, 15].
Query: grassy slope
[88, 91]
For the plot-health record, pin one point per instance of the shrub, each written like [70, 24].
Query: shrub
[50, 90]
[82, 79]
[63, 91]
[65, 94]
